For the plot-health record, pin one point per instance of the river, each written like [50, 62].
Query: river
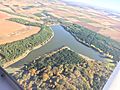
[61, 38]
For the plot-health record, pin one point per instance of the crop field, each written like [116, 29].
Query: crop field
[4, 15]
[88, 17]
[11, 31]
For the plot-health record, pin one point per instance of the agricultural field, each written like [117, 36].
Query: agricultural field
[12, 31]
[91, 18]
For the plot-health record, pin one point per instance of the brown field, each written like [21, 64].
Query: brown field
[4, 15]
[98, 19]
[114, 33]
[11, 31]
[95, 20]
[96, 29]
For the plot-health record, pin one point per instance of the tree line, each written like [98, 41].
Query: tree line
[105, 45]
[10, 51]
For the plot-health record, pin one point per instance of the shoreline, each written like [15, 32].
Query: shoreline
[6, 65]
[104, 55]
[66, 47]
[13, 70]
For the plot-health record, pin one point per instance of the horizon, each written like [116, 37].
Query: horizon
[113, 5]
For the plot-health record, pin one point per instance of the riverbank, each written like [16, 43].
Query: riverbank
[61, 38]
[103, 54]
[66, 47]
[6, 65]
[14, 70]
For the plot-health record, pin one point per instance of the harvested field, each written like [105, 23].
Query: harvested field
[11, 31]
[4, 15]
[114, 33]
[88, 17]
[96, 29]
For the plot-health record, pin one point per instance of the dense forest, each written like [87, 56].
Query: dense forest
[106, 46]
[64, 70]
[13, 50]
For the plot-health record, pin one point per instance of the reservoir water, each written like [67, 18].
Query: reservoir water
[61, 38]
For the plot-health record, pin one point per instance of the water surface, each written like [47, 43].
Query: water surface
[61, 37]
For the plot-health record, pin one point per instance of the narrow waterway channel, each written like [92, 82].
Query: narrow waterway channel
[61, 38]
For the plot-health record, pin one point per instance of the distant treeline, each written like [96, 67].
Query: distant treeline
[108, 47]
[13, 50]
[25, 22]
[48, 18]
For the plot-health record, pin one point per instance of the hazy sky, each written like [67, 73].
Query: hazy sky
[110, 4]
